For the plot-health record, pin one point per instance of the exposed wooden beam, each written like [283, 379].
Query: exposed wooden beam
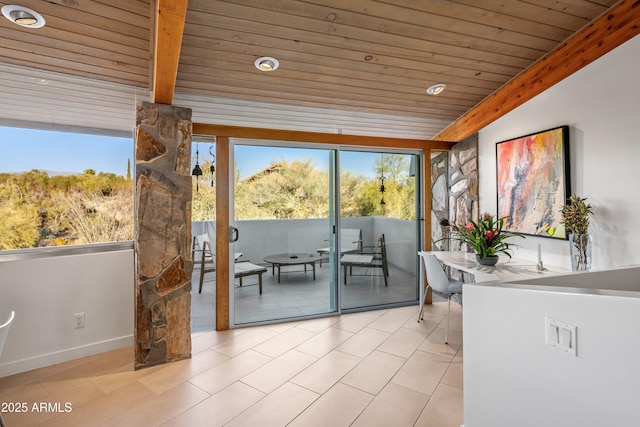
[613, 28]
[324, 138]
[169, 27]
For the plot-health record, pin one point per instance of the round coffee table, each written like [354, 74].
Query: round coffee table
[279, 260]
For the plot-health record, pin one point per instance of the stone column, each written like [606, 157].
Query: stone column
[463, 183]
[439, 199]
[162, 234]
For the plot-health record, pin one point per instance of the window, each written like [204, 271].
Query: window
[62, 188]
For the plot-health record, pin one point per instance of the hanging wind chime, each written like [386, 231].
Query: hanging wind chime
[197, 172]
[212, 168]
[382, 189]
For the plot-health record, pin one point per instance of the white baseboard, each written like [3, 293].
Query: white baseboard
[18, 366]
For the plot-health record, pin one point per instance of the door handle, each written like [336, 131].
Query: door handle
[234, 234]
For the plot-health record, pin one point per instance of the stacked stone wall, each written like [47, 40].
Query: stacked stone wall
[456, 180]
[162, 234]
[439, 199]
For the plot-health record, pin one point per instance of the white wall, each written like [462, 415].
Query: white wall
[400, 239]
[601, 104]
[513, 378]
[510, 376]
[46, 292]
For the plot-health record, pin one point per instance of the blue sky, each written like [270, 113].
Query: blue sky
[251, 159]
[26, 149]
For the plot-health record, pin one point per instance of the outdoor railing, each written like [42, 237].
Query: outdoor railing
[259, 238]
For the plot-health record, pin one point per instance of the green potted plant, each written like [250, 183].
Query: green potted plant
[575, 217]
[486, 237]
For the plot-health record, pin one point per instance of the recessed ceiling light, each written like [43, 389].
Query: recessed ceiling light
[267, 63]
[23, 16]
[436, 89]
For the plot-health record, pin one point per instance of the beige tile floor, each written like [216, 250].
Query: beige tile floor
[377, 368]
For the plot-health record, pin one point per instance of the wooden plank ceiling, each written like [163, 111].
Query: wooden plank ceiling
[356, 55]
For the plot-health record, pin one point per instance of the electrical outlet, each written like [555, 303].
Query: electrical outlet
[78, 320]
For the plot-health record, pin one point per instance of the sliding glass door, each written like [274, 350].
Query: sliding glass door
[321, 230]
[284, 208]
[379, 203]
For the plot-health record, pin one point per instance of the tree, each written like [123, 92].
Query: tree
[35, 208]
[21, 196]
[203, 206]
[98, 218]
[298, 190]
[352, 186]
[285, 190]
[19, 225]
[363, 198]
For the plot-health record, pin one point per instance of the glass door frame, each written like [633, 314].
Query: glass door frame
[334, 291]
[419, 220]
[335, 224]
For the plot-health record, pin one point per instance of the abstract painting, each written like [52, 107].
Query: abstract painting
[533, 182]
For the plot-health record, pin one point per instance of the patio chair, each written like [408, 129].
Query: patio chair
[4, 331]
[198, 244]
[241, 268]
[369, 257]
[350, 242]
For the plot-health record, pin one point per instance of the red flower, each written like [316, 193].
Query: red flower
[490, 235]
[469, 226]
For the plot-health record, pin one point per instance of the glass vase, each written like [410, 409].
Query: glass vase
[580, 249]
[489, 260]
[446, 238]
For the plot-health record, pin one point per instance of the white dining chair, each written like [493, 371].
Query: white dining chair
[440, 284]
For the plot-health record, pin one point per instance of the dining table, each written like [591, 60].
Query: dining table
[506, 269]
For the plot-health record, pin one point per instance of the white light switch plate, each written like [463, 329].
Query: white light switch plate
[561, 335]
